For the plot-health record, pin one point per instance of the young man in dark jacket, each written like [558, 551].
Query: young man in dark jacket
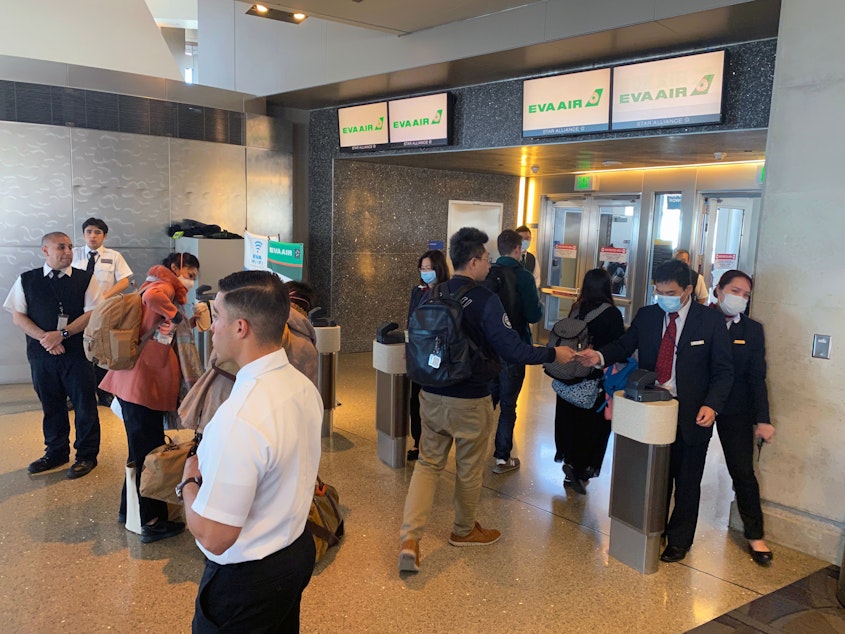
[463, 413]
[515, 288]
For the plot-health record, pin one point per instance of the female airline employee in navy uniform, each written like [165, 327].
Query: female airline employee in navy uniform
[745, 417]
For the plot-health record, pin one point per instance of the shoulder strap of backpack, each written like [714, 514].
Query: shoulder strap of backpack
[595, 313]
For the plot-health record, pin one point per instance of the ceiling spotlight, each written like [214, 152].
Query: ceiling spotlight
[535, 169]
[263, 11]
[611, 163]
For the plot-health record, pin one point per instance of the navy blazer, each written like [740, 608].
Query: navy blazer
[748, 394]
[703, 366]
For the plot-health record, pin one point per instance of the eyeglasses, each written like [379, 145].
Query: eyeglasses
[484, 258]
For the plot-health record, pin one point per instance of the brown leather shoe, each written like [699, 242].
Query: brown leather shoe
[409, 556]
[477, 537]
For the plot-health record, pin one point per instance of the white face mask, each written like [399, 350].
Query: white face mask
[186, 282]
[733, 305]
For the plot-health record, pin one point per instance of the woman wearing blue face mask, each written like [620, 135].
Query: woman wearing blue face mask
[745, 417]
[433, 270]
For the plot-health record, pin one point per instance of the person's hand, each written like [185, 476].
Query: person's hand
[564, 354]
[50, 340]
[192, 468]
[166, 327]
[588, 358]
[57, 350]
[766, 431]
[706, 417]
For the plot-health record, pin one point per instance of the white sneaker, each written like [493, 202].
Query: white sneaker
[503, 466]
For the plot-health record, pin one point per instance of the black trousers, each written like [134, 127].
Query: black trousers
[736, 434]
[256, 597]
[144, 432]
[686, 467]
[55, 379]
[581, 437]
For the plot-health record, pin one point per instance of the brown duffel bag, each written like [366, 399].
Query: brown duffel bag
[325, 522]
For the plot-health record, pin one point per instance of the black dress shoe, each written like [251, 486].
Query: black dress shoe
[761, 557]
[571, 480]
[160, 530]
[413, 454]
[45, 463]
[80, 468]
[671, 554]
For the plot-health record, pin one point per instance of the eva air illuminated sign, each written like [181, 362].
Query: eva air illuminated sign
[566, 104]
[671, 92]
[363, 127]
[419, 121]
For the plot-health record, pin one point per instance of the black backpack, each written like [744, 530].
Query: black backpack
[572, 333]
[438, 351]
[502, 281]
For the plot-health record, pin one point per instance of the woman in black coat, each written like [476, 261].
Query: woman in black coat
[433, 270]
[581, 434]
[745, 416]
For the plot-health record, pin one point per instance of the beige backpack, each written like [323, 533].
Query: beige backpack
[112, 337]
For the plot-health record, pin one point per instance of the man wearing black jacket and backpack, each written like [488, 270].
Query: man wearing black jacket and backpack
[463, 412]
[515, 287]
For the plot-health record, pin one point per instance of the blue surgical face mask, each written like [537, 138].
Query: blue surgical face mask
[526, 244]
[428, 276]
[668, 303]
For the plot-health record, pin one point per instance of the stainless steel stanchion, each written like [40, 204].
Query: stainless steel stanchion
[639, 483]
[328, 347]
[392, 395]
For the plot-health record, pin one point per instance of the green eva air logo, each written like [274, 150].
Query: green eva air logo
[701, 88]
[366, 127]
[570, 104]
[422, 121]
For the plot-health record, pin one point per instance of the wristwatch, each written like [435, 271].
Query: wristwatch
[181, 485]
[65, 333]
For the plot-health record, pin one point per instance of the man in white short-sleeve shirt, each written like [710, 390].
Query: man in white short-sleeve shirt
[248, 490]
[109, 269]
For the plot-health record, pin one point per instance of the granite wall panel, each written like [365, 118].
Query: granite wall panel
[269, 193]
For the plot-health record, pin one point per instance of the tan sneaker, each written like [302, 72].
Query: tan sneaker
[409, 556]
[478, 537]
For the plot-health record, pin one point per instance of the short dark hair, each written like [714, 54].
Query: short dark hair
[96, 222]
[301, 294]
[729, 276]
[438, 264]
[673, 271]
[507, 241]
[181, 259]
[53, 236]
[467, 243]
[595, 290]
[680, 252]
[523, 229]
[261, 299]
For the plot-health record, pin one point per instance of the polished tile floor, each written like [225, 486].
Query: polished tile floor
[66, 564]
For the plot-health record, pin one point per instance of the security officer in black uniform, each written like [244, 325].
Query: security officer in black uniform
[52, 305]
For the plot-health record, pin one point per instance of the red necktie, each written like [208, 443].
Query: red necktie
[666, 354]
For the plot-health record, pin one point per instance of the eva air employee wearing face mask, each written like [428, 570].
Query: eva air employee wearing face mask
[745, 417]
[433, 270]
[150, 389]
[687, 345]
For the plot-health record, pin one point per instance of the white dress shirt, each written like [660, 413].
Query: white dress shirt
[16, 299]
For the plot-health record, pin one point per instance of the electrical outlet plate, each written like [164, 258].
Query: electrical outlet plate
[821, 346]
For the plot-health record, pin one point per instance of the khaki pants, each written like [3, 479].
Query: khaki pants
[469, 422]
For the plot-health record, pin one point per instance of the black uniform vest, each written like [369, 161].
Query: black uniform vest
[44, 296]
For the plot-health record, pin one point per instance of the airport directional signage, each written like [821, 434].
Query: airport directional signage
[670, 92]
[419, 121]
[363, 127]
[566, 104]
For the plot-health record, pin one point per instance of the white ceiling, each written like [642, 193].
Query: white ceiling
[396, 16]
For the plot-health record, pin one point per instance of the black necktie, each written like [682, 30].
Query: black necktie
[92, 258]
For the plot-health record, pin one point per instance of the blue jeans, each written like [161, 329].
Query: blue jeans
[56, 379]
[505, 392]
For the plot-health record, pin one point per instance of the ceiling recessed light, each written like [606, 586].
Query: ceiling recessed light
[299, 16]
[261, 8]
[611, 163]
[263, 11]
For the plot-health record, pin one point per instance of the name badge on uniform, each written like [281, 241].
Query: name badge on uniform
[700, 342]
[106, 260]
[62, 324]
[434, 361]
[739, 342]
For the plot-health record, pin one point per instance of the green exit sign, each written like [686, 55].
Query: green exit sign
[585, 182]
